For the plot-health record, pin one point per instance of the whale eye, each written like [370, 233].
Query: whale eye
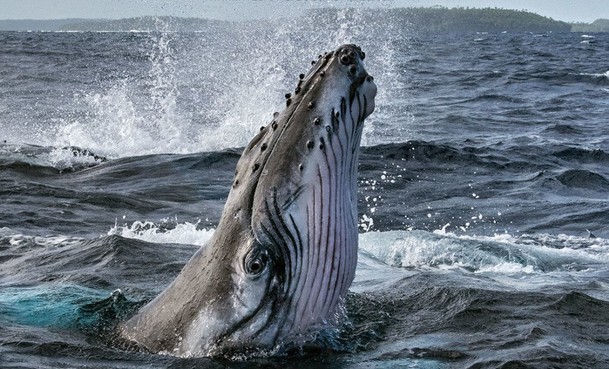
[255, 262]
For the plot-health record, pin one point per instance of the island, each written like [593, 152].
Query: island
[463, 20]
[417, 20]
[599, 25]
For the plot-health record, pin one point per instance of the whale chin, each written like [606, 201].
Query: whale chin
[284, 253]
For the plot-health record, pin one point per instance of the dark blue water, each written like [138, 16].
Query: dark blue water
[484, 189]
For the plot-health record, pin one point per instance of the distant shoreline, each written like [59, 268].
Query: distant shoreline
[431, 20]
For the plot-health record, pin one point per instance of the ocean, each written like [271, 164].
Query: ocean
[483, 188]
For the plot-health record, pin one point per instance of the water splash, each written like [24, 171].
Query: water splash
[184, 233]
[123, 121]
[213, 90]
[540, 254]
[59, 158]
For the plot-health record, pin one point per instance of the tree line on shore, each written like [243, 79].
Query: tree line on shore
[433, 20]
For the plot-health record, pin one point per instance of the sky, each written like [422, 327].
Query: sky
[565, 10]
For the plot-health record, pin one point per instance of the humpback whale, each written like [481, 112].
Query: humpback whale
[284, 253]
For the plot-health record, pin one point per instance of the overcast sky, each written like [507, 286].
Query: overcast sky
[566, 10]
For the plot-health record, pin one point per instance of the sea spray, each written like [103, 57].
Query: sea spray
[211, 90]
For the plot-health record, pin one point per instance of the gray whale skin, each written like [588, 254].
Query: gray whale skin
[283, 255]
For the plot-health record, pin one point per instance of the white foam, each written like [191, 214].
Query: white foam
[182, 233]
[67, 158]
[480, 254]
[598, 75]
[527, 255]
[19, 239]
[422, 250]
[529, 262]
[61, 158]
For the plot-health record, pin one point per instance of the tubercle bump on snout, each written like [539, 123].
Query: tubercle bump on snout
[346, 58]
[348, 53]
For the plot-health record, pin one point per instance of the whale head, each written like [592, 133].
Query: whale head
[285, 250]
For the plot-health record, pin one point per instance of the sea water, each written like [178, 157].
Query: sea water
[483, 201]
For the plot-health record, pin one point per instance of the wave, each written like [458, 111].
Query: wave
[579, 178]
[561, 77]
[28, 158]
[564, 129]
[582, 155]
[416, 151]
[597, 75]
[527, 254]
[484, 98]
[59, 159]
[415, 184]
[415, 294]
[46, 306]
[597, 79]
[93, 263]
[500, 254]
[186, 233]
[98, 263]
